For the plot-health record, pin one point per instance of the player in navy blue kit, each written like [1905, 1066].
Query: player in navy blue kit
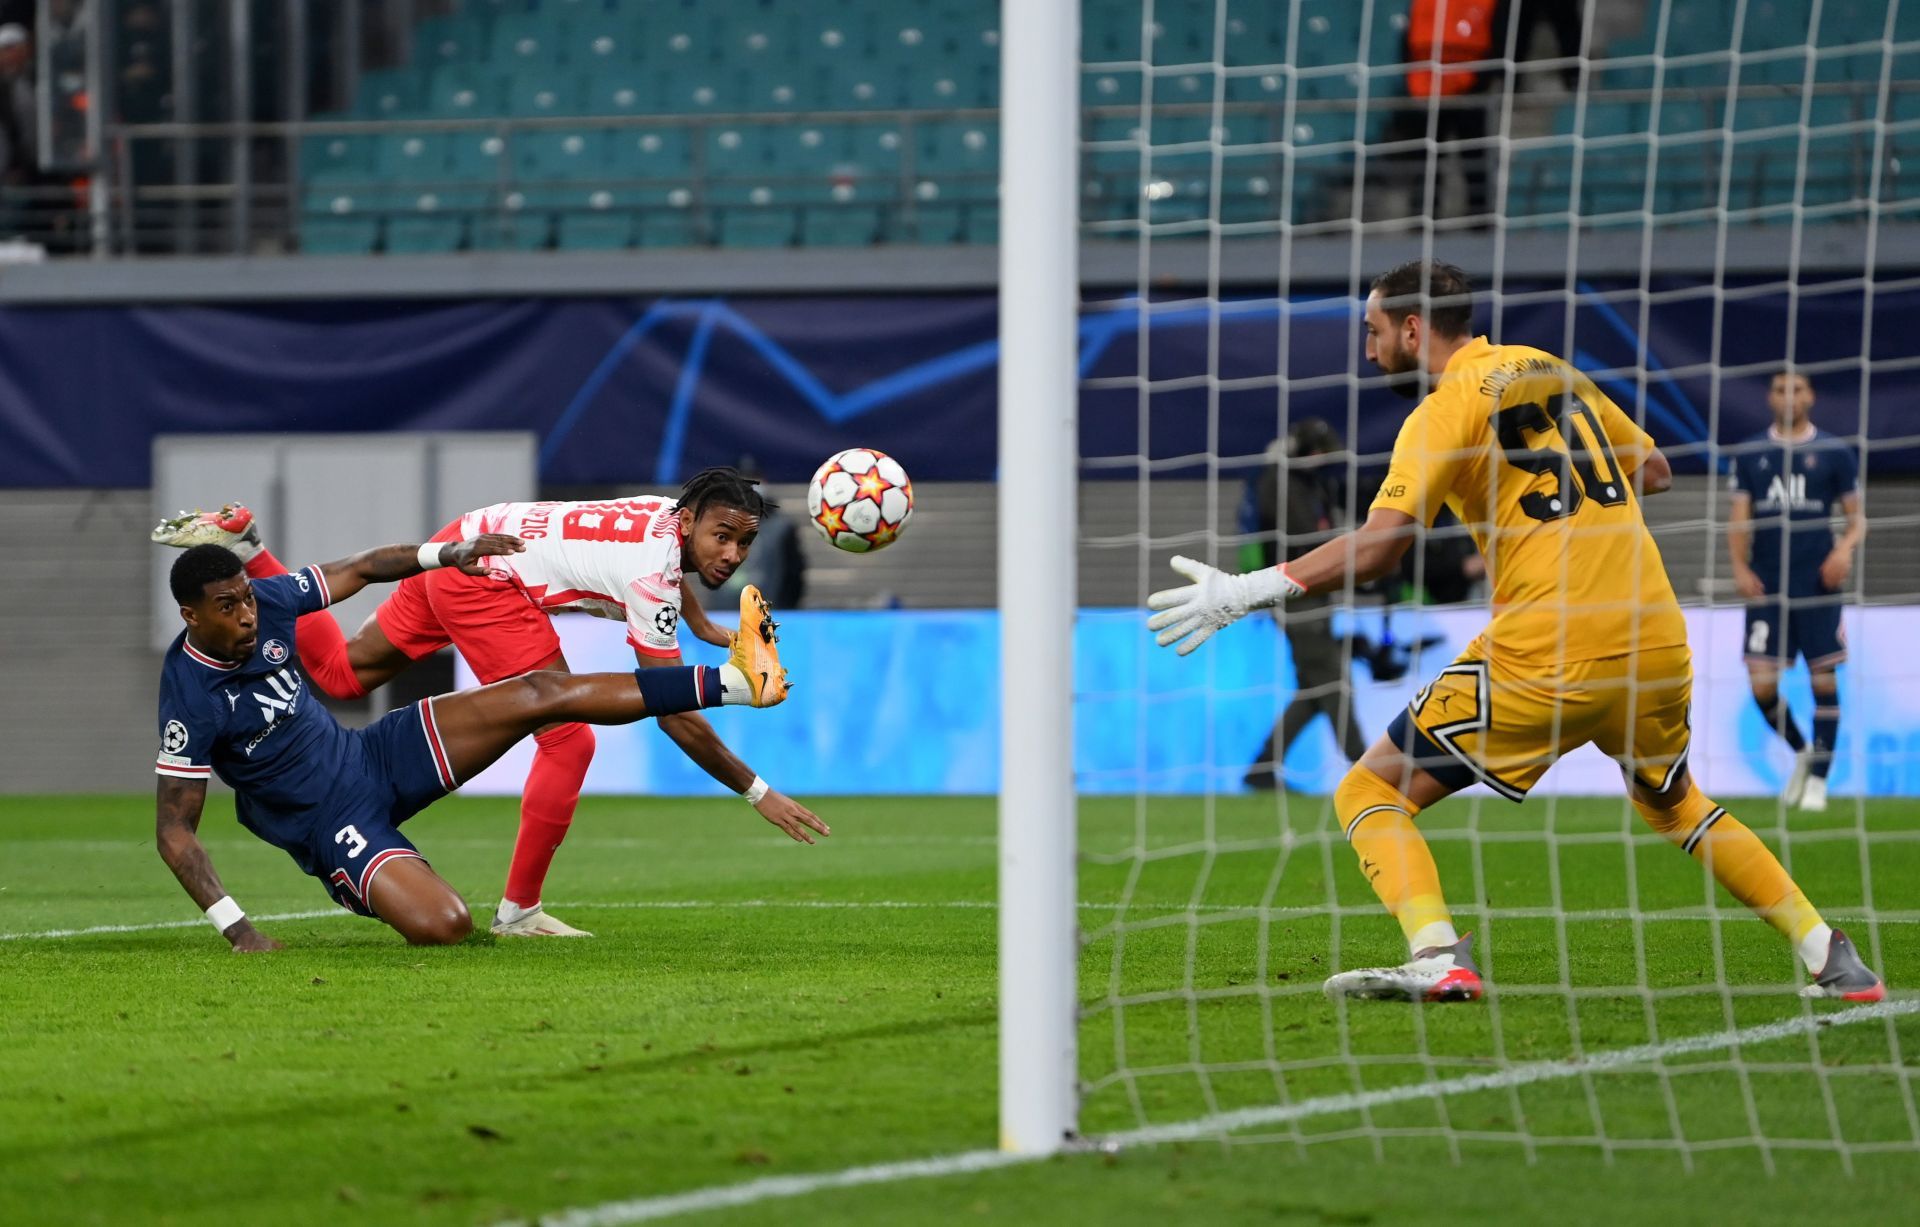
[232, 704]
[1787, 484]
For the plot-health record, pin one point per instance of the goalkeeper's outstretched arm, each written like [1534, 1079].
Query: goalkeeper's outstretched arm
[1190, 615]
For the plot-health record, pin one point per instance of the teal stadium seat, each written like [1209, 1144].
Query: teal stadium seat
[545, 92]
[512, 226]
[389, 93]
[590, 219]
[415, 156]
[463, 91]
[657, 153]
[346, 156]
[334, 223]
[435, 223]
[562, 156]
[449, 41]
[752, 215]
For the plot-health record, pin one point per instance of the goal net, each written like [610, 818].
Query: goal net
[1682, 198]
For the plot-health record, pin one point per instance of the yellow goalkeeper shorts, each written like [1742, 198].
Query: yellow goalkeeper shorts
[1483, 721]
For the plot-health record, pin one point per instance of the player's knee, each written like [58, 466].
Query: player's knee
[443, 923]
[1826, 683]
[541, 691]
[1672, 813]
[1765, 693]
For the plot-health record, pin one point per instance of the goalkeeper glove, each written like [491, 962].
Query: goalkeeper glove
[1189, 616]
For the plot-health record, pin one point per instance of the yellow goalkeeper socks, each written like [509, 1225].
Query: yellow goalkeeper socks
[1393, 854]
[1745, 866]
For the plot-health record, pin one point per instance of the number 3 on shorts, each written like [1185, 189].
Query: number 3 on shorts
[1756, 642]
[355, 841]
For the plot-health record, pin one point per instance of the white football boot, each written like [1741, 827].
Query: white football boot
[1813, 797]
[1797, 782]
[1438, 973]
[532, 922]
[232, 526]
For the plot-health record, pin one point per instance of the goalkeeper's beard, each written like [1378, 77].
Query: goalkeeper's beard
[1412, 384]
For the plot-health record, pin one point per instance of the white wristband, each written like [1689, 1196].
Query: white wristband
[224, 914]
[756, 790]
[429, 556]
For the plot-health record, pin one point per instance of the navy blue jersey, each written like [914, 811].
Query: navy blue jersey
[1795, 489]
[254, 724]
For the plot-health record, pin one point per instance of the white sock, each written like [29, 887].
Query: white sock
[509, 911]
[1426, 937]
[734, 690]
[1812, 948]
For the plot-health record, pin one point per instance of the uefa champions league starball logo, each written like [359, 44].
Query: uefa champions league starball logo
[274, 651]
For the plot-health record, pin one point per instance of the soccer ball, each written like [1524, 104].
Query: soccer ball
[860, 499]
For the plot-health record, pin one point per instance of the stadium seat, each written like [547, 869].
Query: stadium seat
[534, 92]
[664, 152]
[737, 151]
[436, 222]
[448, 41]
[511, 227]
[335, 224]
[752, 215]
[388, 93]
[669, 226]
[559, 155]
[481, 156]
[1539, 181]
[339, 156]
[592, 220]
[460, 91]
[414, 156]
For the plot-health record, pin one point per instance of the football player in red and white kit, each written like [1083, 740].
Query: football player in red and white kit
[621, 559]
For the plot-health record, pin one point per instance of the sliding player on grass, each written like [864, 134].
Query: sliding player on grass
[621, 559]
[232, 705]
[1586, 644]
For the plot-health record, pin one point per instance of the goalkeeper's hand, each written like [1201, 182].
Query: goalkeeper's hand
[1190, 615]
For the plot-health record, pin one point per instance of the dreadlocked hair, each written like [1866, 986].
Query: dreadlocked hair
[724, 487]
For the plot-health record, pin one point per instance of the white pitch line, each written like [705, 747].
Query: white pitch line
[1137, 905]
[163, 924]
[649, 1209]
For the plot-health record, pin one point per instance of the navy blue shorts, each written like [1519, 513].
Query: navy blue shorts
[402, 768]
[1781, 629]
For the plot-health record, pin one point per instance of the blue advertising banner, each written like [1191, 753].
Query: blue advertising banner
[908, 702]
[643, 393]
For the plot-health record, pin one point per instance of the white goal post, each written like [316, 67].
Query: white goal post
[1039, 455]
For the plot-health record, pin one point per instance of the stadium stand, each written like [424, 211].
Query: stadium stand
[587, 124]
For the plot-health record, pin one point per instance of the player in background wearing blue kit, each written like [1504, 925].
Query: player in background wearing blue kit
[232, 704]
[1786, 563]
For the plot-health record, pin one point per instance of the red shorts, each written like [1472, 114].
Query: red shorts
[492, 623]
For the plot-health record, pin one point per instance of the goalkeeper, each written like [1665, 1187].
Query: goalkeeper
[1586, 643]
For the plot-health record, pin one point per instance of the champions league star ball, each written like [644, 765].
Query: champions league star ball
[860, 500]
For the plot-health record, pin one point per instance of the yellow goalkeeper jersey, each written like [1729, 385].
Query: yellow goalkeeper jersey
[1536, 462]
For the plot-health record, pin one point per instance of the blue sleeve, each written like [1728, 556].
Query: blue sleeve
[1846, 472]
[304, 591]
[1739, 480]
[187, 736]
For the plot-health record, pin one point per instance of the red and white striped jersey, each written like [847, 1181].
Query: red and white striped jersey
[618, 559]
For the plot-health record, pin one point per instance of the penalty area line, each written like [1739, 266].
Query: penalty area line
[716, 1197]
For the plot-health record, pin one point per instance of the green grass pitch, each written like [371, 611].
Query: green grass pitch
[753, 1008]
